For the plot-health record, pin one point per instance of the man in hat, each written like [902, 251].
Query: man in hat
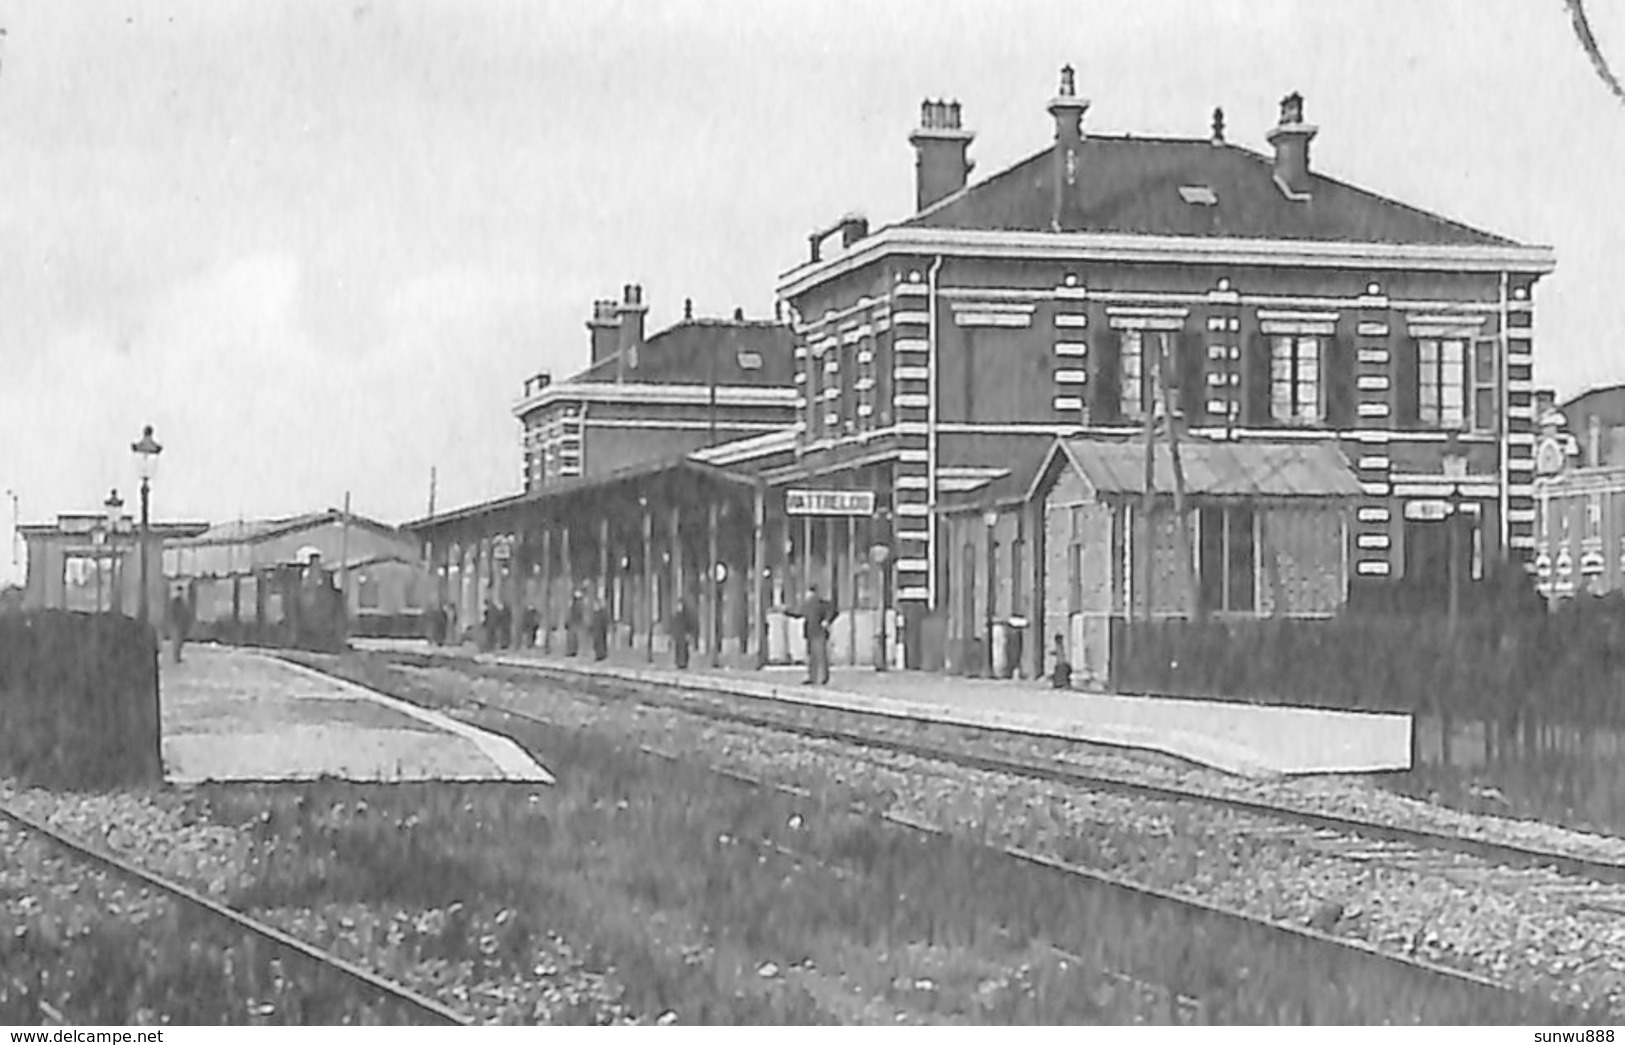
[816, 615]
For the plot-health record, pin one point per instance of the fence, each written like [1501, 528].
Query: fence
[1564, 666]
[78, 700]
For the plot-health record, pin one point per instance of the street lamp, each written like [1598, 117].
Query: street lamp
[115, 511]
[991, 519]
[146, 451]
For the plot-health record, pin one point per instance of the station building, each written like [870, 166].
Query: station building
[1351, 376]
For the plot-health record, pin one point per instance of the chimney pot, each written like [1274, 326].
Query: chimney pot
[941, 167]
[1068, 111]
[630, 322]
[688, 310]
[1291, 138]
[1218, 126]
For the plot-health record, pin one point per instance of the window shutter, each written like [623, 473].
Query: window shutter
[1191, 369]
[1255, 380]
[1337, 366]
[1105, 383]
[1406, 387]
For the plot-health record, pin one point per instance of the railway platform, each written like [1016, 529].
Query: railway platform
[241, 715]
[1253, 740]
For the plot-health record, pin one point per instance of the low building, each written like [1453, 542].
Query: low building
[1063, 550]
[84, 561]
[378, 565]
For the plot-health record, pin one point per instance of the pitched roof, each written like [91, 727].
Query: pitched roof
[1132, 186]
[1284, 469]
[248, 531]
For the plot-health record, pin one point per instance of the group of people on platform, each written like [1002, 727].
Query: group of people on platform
[587, 626]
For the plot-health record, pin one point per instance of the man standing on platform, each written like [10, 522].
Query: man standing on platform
[816, 616]
[180, 622]
[599, 623]
[683, 627]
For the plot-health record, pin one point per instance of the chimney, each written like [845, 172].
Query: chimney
[940, 166]
[602, 327]
[855, 227]
[1218, 127]
[1291, 138]
[630, 312]
[1068, 109]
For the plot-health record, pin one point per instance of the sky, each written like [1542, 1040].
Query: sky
[319, 245]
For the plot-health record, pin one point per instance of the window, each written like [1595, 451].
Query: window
[1594, 518]
[1225, 559]
[1441, 377]
[1074, 578]
[1295, 386]
[814, 391]
[366, 591]
[1139, 354]
[1018, 553]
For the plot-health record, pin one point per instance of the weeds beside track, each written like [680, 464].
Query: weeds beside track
[1238, 967]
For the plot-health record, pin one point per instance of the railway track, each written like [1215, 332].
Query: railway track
[1199, 917]
[1370, 841]
[415, 1006]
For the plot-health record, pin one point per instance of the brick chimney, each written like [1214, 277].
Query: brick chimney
[940, 166]
[1068, 109]
[602, 327]
[630, 313]
[1291, 138]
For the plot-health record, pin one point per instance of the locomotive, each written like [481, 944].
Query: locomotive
[290, 605]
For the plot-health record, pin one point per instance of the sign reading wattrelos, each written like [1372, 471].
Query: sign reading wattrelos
[829, 502]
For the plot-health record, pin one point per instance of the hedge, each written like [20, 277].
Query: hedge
[78, 700]
[1567, 665]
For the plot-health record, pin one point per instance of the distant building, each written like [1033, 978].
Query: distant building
[380, 564]
[699, 382]
[81, 562]
[1580, 495]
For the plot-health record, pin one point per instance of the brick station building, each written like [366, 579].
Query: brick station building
[1380, 353]
[970, 387]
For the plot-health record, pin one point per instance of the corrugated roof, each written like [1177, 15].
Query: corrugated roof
[1283, 469]
[1133, 186]
[247, 531]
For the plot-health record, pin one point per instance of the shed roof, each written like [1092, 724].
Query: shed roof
[1116, 467]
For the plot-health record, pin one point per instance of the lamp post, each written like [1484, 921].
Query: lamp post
[146, 451]
[991, 519]
[115, 512]
[1455, 469]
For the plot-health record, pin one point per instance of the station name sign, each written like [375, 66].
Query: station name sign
[829, 502]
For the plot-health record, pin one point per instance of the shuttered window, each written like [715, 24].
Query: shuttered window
[1105, 398]
[1486, 388]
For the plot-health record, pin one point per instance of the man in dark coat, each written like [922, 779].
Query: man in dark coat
[683, 627]
[817, 615]
[180, 622]
[600, 630]
[574, 622]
